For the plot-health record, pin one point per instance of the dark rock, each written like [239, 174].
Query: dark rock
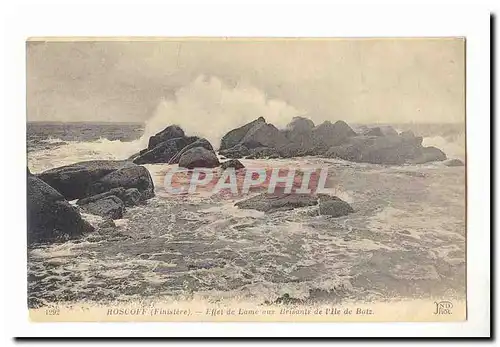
[235, 152]
[300, 125]
[429, 154]
[198, 157]
[374, 132]
[110, 206]
[73, 181]
[198, 143]
[170, 132]
[235, 136]
[233, 163]
[347, 151]
[49, 216]
[131, 197]
[299, 133]
[332, 134]
[264, 135]
[387, 130]
[454, 162]
[128, 177]
[165, 151]
[333, 206]
[115, 191]
[278, 201]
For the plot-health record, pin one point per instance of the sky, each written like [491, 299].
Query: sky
[219, 81]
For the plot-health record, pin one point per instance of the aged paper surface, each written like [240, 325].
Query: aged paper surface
[218, 179]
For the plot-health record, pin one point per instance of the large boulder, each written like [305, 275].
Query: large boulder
[332, 134]
[198, 157]
[165, 151]
[110, 206]
[236, 152]
[428, 154]
[170, 132]
[333, 206]
[235, 136]
[50, 217]
[264, 135]
[198, 143]
[129, 177]
[73, 181]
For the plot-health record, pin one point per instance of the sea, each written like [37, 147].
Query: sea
[406, 238]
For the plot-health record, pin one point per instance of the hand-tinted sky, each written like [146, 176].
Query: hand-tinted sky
[357, 80]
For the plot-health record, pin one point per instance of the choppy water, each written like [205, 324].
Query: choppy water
[406, 238]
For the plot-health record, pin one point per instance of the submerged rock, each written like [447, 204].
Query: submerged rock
[198, 157]
[49, 216]
[333, 206]
[279, 201]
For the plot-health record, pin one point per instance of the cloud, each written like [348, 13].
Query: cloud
[364, 80]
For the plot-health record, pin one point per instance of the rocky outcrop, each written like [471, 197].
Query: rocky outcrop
[235, 136]
[129, 177]
[198, 157]
[49, 216]
[376, 145]
[110, 206]
[454, 162]
[332, 134]
[386, 150]
[233, 163]
[264, 135]
[170, 132]
[165, 151]
[73, 181]
[198, 143]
